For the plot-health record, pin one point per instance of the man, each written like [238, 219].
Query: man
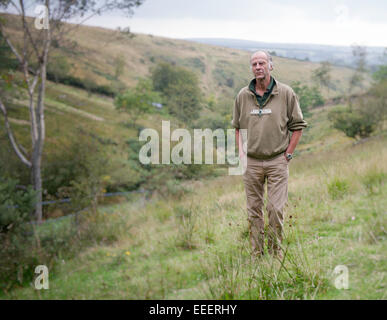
[270, 111]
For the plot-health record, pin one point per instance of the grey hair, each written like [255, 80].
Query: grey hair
[268, 55]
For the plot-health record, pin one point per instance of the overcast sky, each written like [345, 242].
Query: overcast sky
[291, 21]
[336, 22]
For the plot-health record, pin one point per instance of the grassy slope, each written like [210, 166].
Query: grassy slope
[68, 110]
[97, 48]
[212, 64]
[333, 218]
[142, 52]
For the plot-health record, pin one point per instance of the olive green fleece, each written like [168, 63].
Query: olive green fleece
[268, 135]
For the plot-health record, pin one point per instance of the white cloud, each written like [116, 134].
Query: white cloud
[339, 33]
[329, 22]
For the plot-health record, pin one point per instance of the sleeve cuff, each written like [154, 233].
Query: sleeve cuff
[297, 126]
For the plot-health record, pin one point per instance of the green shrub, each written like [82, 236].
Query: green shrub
[10, 165]
[137, 101]
[197, 63]
[16, 205]
[364, 114]
[380, 75]
[76, 171]
[180, 89]
[85, 84]
[353, 122]
[338, 188]
[52, 243]
[7, 58]
[58, 68]
[308, 97]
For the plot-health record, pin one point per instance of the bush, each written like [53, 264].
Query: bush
[308, 97]
[85, 84]
[24, 245]
[58, 68]
[7, 59]
[76, 171]
[364, 114]
[380, 75]
[16, 205]
[51, 243]
[138, 101]
[338, 188]
[180, 89]
[10, 165]
[355, 122]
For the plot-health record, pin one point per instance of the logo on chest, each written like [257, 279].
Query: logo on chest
[260, 112]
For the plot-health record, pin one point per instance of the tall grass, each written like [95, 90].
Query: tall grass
[197, 247]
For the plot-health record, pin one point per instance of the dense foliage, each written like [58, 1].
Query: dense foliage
[180, 89]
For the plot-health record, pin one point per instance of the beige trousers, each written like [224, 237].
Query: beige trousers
[275, 172]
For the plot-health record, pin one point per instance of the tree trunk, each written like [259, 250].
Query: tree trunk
[37, 183]
[39, 142]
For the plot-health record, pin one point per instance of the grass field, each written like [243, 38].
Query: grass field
[196, 246]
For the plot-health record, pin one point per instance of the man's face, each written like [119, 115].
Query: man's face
[260, 66]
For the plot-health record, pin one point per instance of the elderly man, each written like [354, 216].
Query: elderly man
[270, 112]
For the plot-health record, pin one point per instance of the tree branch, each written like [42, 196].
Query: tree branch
[14, 144]
[27, 30]
[11, 46]
[16, 7]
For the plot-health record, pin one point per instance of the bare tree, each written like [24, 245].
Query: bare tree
[322, 75]
[32, 52]
[360, 62]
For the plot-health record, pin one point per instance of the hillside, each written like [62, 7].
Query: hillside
[213, 64]
[96, 51]
[340, 55]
